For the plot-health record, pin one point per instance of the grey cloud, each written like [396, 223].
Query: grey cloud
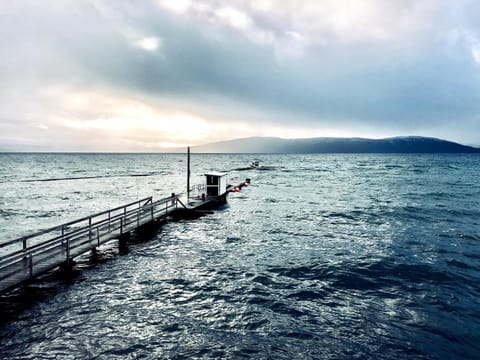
[386, 86]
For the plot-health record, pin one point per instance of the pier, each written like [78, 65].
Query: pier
[28, 257]
[25, 259]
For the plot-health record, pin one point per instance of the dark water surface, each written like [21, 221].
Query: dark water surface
[324, 256]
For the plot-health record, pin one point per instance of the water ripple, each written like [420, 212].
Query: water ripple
[338, 256]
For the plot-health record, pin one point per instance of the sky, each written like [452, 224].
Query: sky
[141, 76]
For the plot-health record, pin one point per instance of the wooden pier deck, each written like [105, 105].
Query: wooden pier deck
[28, 257]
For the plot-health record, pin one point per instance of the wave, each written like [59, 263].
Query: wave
[88, 177]
[370, 275]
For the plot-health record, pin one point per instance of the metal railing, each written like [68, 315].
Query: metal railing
[198, 188]
[25, 258]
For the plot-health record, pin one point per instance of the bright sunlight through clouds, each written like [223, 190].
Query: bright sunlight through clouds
[142, 76]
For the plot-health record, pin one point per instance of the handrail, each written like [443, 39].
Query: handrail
[147, 206]
[198, 187]
[59, 227]
[181, 203]
[49, 248]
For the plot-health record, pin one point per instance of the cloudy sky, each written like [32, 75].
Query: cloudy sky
[102, 75]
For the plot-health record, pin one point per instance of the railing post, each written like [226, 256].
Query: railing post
[90, 229]
[151, 210]
[30, 264]
[121, 226]
[24, 244]
[138, 214]
[68, 248]
[98, 236]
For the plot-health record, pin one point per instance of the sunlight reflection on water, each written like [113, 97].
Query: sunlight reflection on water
[323, 256]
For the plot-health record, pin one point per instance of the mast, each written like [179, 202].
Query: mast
[188, 173]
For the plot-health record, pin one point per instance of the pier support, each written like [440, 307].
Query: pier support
[146, 231]
[94, 255]
[123, 243]
[67, 266]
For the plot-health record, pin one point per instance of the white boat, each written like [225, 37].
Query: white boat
[255, 164]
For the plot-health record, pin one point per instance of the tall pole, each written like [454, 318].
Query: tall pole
[188, 174]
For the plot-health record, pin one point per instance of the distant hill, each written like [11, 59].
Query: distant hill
[407, 144]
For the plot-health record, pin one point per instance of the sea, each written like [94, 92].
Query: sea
[344, 256]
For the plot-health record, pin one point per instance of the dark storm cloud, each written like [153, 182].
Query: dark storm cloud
[405, 85]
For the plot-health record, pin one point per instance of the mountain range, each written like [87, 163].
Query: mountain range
[405, 144]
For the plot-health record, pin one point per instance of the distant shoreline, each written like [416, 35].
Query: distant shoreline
[324, 145]
[395, 145]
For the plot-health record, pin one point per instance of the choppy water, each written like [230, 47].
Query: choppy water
[324, 256]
